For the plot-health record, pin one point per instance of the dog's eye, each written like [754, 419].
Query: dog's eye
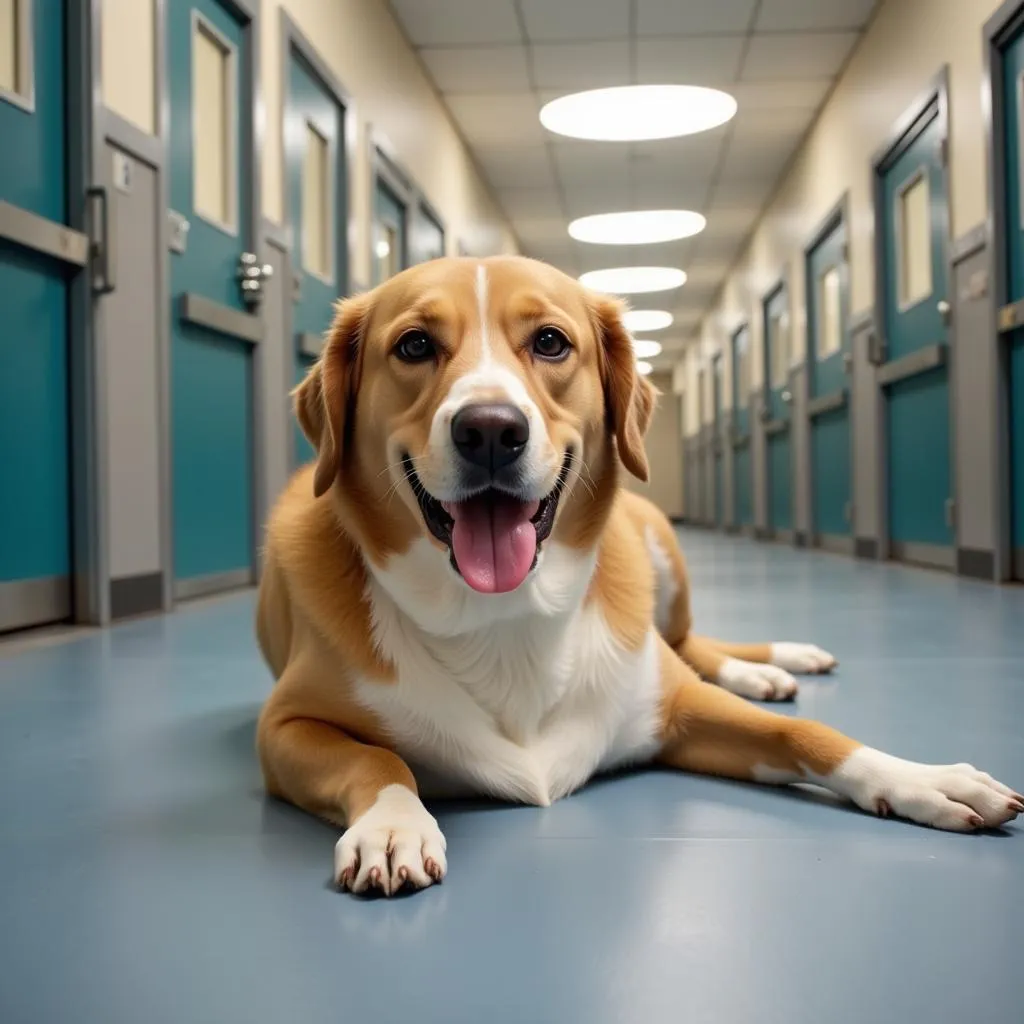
[414, 347]
[551, 344]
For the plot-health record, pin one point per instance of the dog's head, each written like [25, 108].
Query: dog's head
[483, 404]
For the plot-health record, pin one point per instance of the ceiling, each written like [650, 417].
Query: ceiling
[496, 62]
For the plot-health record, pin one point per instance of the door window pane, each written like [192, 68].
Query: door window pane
[386, 251]
[914, 241]
[16, 51]
[830, 313]
[317, 216]
[213, 127]
[742, 368]
[778, 336]
[429, 243]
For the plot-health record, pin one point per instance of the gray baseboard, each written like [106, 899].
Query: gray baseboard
[866, 547]
[764, 533]
[800, 539]
[215, 583]
[136, 595]
[36, 602]
[834, 543]
[928, 556]
[975, 563]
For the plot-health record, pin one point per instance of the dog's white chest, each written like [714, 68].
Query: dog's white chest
[526, 711]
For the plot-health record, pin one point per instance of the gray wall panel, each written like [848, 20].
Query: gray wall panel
[973, 372]
[278, 376]
[801, 428]
[866, 411]
[129, 318]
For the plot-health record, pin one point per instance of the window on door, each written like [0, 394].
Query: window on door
[830, 313]
[214, 118]
[386, 250]
[16, 76]
[914, 241]
[742, 368]
[317, 205]
[778, 340]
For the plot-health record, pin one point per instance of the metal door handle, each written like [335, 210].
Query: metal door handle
[945, 310]
[252, 275]
[787, 396]
[847, 362]
[103, 250]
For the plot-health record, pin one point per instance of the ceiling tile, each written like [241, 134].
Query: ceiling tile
[581, 164]
[808, 15]
[808, 94]
[711, 60]
[542, 231]
[527, 165]
[671, 17]
[548, 22]
[483, 69]
[792, 55]
[457, 22]
[772, 123]
[530, 203]
[580, 65]
[493, 120]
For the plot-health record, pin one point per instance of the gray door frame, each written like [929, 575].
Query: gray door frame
[901, 135]
[1006, 22]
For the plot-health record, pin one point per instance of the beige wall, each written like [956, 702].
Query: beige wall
[664, 452]
[906, 45]
[360, 42]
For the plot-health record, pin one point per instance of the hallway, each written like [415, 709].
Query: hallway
[145, 878]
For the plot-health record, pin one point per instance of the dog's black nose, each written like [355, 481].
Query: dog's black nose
[490, 436]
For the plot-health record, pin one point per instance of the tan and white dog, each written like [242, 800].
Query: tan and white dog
[459, 598]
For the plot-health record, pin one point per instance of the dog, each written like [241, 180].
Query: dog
[458, 597]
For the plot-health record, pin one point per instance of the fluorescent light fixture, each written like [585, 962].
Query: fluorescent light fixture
[637, 227]
[645, 348]
[643, 368]
[638, 320]
[629, 113]
[633, 280]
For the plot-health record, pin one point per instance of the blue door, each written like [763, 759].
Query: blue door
[317, 214]
[1014, 227]
[717, 440]
[742, 463]
[390, 229]
[777, 404]
[212, 327]
[35, 501]
[915, 377]
[828, 342]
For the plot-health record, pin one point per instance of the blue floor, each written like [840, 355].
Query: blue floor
[144, 879]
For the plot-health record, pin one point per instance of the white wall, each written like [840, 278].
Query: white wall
[906, 45]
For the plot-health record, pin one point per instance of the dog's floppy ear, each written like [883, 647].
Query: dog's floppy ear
[629, 398]
[325, 400]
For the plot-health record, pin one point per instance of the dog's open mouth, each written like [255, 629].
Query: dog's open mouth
[493, 538]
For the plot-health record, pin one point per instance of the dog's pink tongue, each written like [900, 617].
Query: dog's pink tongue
[494, 541]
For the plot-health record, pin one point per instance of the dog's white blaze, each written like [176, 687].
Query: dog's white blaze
[481, 305]
[523, 699]
[665, 587]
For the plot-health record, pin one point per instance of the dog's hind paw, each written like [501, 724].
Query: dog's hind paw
[804, 659]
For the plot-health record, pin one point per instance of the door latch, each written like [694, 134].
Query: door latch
[847, 363]
[103, 241]
[945, 311]
[950, 513]
[251, 275]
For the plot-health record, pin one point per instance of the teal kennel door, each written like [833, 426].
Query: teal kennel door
[390, 222]
[913, 208]
[317, 204]
[38, 256]
[1013, 83]
[828, 406]
[778, 399]
[718, 440]
[215, 280]
[742, 463]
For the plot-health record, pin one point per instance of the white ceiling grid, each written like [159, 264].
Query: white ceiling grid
[497, 62]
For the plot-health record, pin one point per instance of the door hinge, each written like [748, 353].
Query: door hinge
[951, 513]
[846, 252]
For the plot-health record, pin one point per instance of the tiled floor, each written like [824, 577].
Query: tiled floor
[144, 879]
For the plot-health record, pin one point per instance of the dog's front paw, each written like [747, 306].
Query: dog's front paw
[757, 682]
[805, 659]
[955, 797]
[395, 843]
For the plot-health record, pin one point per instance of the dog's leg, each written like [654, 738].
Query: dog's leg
[391, 838]
[805, 659]
[713, 732]
[745, 678]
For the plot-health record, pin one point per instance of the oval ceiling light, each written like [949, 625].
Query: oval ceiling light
[644, 368]
[645, 348]
[631, 113]
[638, 320]
[633, 280]
[637, 227]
